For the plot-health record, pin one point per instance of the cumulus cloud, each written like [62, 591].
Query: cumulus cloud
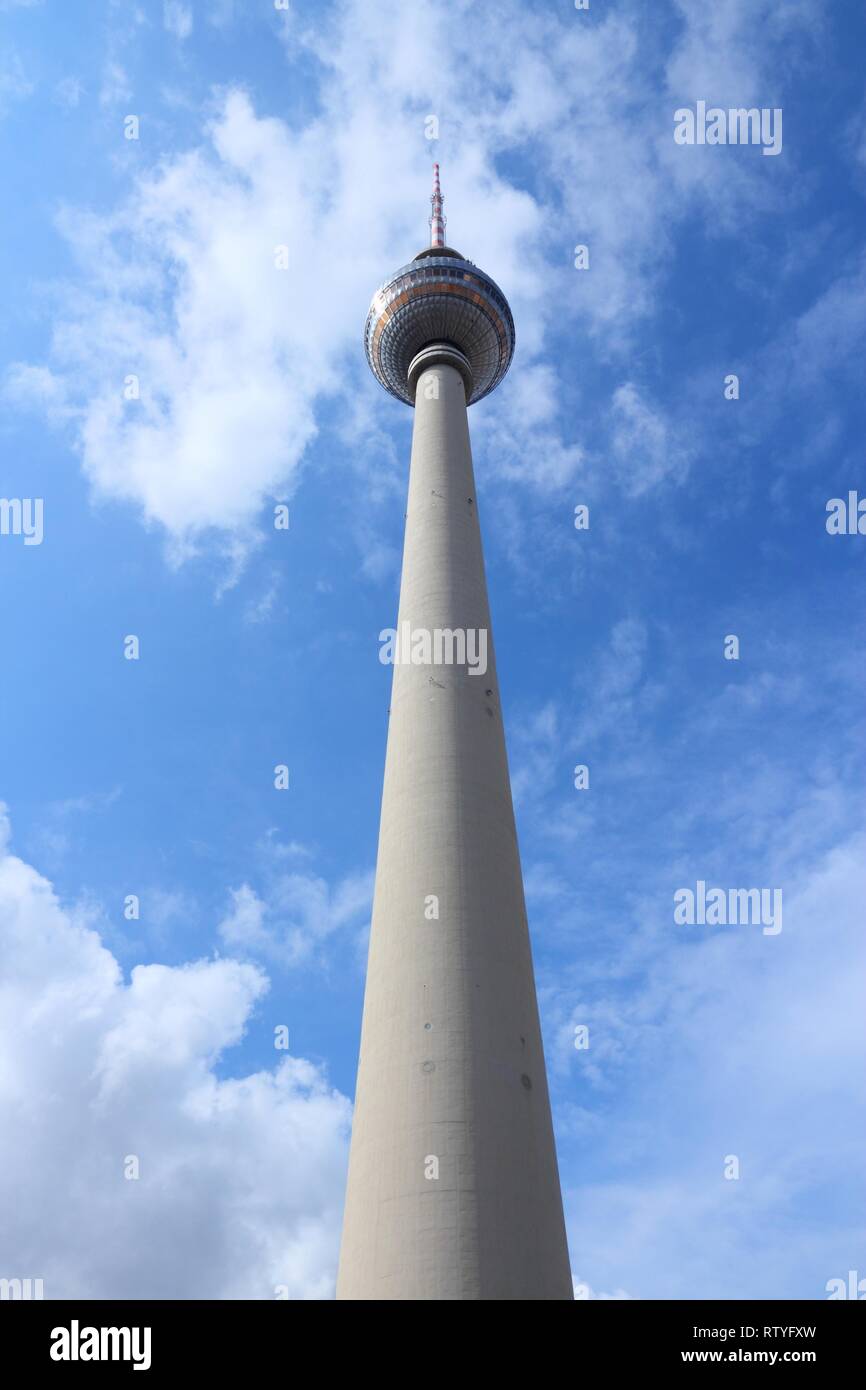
[241, 1180]
[296, 917]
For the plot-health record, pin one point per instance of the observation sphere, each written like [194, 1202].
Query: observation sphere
[439, 298]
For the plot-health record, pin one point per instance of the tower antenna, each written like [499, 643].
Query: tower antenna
[437, 219]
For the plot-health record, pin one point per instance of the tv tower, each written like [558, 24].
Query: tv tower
[453, 1189]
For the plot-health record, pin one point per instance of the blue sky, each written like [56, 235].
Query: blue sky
[154, 257]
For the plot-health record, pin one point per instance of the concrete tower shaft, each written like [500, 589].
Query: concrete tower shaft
[453, 1186]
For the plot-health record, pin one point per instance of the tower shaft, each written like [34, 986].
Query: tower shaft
[453, 1188]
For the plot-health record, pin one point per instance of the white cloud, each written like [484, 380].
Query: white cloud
[707, 1043]
[14, 82]
[538, 754]
[58, 832]
[164, 905]
[38, 388]
[116, 87]
[235, 357]
[732, 1044]
[261, 608]
[702, 1042]
[298, 914]
[646, 446]
[68, 92]
[229, 370]
[583, 1290]
[741, 53]
[734, 53]
[243, 925]
[241, 1180]
[177, 18]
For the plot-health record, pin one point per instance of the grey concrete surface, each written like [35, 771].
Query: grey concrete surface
[451, 1064]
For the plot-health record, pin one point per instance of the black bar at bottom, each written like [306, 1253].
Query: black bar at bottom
[158, 1338]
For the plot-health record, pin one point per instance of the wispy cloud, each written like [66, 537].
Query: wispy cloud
[298, 914]
[177, 18]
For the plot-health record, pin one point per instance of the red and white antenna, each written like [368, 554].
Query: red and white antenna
[437, 220]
